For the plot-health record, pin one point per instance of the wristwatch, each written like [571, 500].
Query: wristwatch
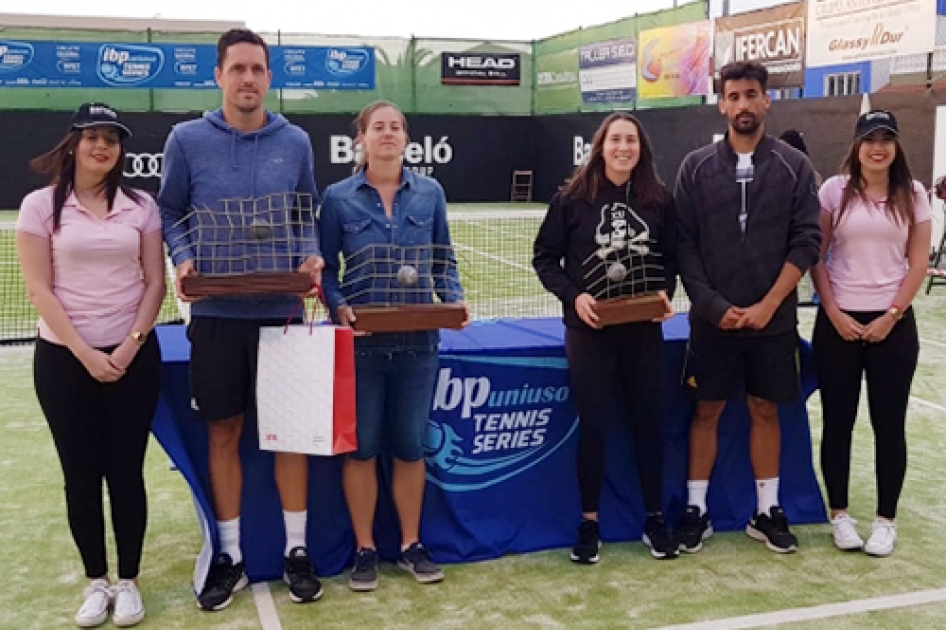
[139, 337]
[896, 313]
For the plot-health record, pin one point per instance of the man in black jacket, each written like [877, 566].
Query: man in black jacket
[748, 230]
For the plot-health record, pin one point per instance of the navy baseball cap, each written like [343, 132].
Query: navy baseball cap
[98, 114]
[878, 119]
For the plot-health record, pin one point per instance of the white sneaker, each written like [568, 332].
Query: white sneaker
[94, 611]
[129, 610]
[883, 537]
[845, 535]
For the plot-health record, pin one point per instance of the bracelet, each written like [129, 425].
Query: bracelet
[895, 312]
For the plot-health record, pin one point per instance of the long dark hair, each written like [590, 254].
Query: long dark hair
[361, 128]
[901, 204]
[589, 177]
[60, 164]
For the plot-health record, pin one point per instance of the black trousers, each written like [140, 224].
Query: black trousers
[889, 367]
[101, 432]
[618, 363]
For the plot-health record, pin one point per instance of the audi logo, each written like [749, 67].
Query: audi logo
[144, 165]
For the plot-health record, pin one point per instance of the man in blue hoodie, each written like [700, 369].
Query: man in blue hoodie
[242, 152]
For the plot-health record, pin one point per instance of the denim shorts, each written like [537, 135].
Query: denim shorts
[394, 392]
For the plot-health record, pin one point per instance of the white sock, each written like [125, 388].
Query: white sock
[697, 494]
[767, 493]
[230, 539]
[295, 530]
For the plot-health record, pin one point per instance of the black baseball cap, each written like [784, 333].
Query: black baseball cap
[97, 114]
[879, 119]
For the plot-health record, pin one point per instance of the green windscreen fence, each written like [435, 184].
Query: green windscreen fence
[408, 73]
[558, 76]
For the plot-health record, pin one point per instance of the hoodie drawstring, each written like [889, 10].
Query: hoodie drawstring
[233, 158]
[253, 163]
[235, 164]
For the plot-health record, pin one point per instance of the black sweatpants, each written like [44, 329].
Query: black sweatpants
[889, 367]
[101, 432]
[626, 363]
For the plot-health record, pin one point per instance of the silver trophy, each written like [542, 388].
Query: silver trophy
[622, 274]
[248, 246]
[395, 288]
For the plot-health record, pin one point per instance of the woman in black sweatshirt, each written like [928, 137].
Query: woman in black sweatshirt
[611, 232]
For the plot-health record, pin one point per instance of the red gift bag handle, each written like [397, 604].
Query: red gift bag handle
[320, 297]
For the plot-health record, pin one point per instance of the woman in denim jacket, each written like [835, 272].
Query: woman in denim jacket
[383, 213]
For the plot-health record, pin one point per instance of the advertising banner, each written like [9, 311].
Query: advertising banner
[479, 68]
[674, 60]
[54, 64]
[608, 71]
[774, 37]
[556, 77]
[847, 31]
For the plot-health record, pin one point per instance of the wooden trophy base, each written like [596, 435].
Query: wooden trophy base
[408, 317]
[267, 283]
[624, 310]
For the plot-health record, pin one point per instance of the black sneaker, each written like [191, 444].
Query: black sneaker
[586, 549]
[416, 560]
[299, 574]
[658, 537]
[773, 531]
[364, 575]
[693, 529]
[223, 580]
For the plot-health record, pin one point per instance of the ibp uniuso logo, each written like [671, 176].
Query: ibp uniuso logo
[126, 65]
[480, 68]
[14, 56]
[494, 422]
[345, 62]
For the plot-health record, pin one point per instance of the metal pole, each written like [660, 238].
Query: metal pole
[412, 60]
[279, 42]
[929, 71]
[150, 90]
[534, 83]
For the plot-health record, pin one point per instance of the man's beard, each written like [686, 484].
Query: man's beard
[749, 124]
[249, 109]
[246, 108]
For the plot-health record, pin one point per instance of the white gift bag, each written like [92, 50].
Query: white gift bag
[305, 389]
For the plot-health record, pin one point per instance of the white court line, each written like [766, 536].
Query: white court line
[492, 256]
[914, 399]
[265, 606]
[938, 344]
[506, 233]
[926, 403]
[825, 611]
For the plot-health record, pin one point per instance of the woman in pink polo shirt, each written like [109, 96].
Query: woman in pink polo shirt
[91, 254]
[876, 224]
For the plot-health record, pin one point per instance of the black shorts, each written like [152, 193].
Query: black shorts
[717, 362]
[223, 365]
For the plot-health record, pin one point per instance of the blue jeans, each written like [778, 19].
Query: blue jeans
[394, 391]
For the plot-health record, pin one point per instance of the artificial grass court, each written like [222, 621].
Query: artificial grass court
[732, 576]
